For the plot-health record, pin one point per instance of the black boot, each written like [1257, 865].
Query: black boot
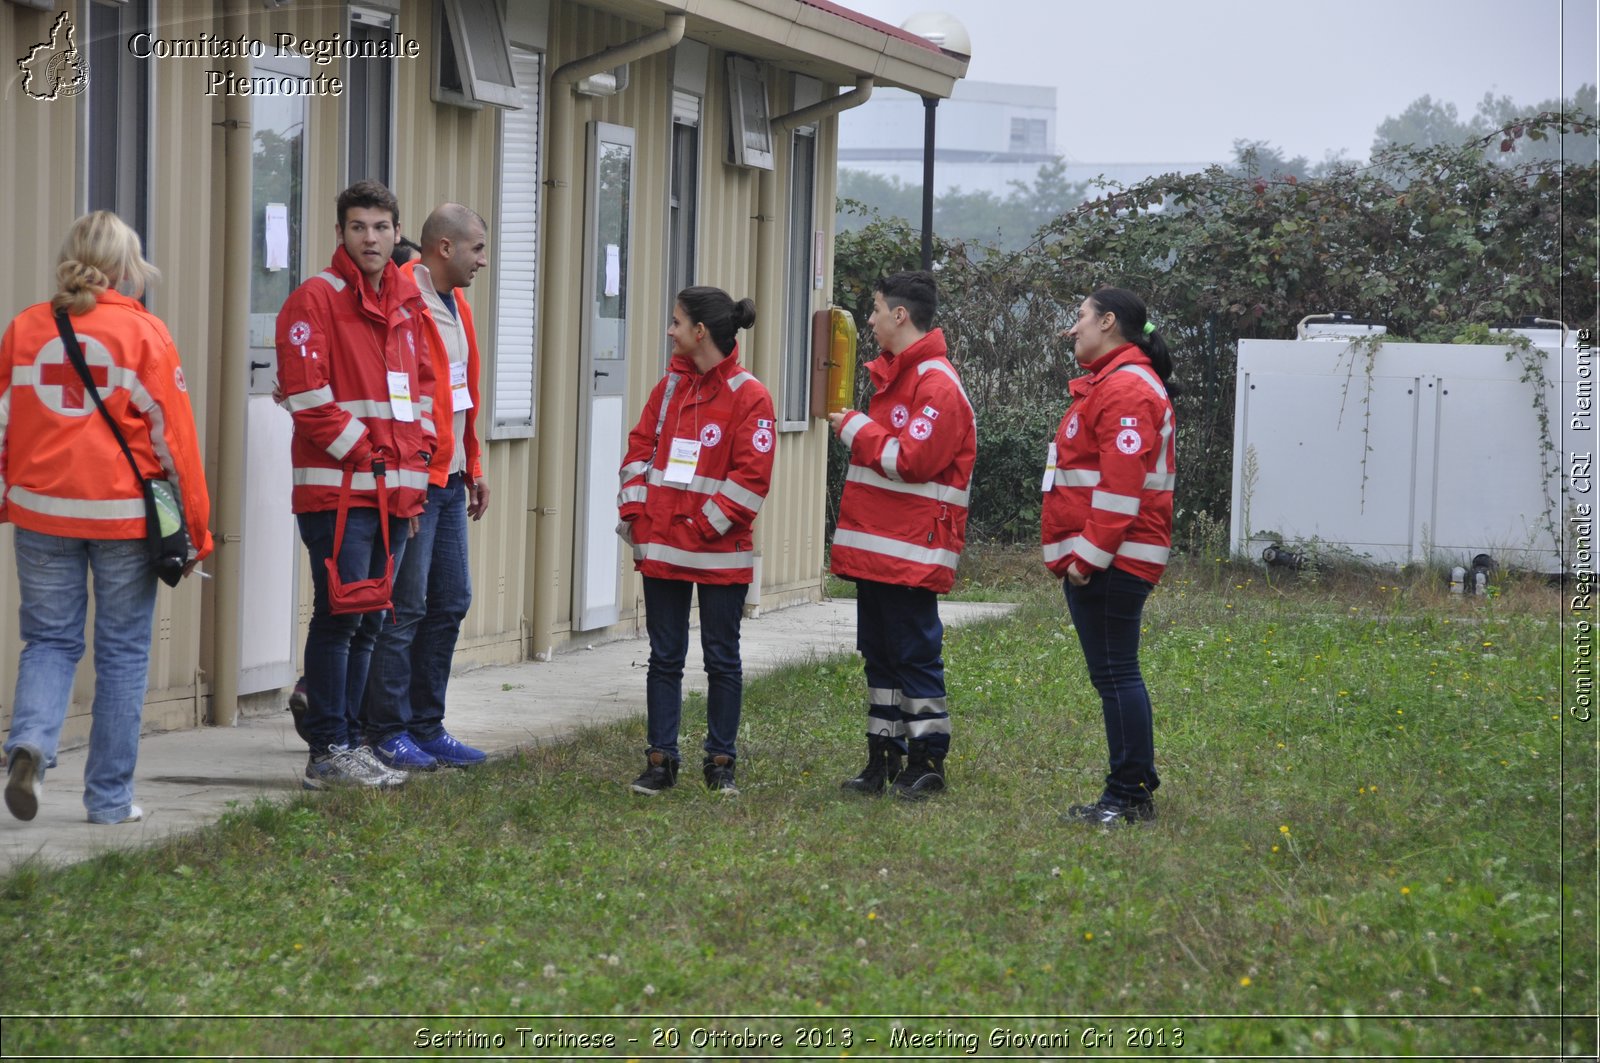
[883, 764]
[660, 773]
[924, 775]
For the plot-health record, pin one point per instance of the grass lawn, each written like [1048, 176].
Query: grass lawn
[1376, 836]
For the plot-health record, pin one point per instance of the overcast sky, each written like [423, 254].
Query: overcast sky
[1181, 80]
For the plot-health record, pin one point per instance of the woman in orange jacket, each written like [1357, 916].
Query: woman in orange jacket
[79, 508]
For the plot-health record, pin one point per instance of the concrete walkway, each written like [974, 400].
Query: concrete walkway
[188, 779]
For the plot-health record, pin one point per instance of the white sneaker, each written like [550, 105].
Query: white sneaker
[372, 765]
[135, 815]
[341, 767]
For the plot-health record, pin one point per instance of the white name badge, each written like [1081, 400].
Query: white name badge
[682, 461]
[460, 397]
[1049, 470]
[400, 397]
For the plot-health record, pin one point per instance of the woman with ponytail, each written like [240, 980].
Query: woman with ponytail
[698, 466]
[1107, 527]
[79, 506]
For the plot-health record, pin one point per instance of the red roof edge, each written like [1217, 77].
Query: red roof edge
[872, 23]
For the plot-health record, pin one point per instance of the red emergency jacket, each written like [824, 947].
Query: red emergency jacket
[61, 470]
[1110, 499]
[338, 341]
[444, 396]
[700, 530]
[903, 515]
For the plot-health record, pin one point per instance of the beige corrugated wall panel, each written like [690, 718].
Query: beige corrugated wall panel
[37, 159]
[445, 154]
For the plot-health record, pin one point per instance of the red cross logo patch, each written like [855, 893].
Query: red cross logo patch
[1129, 441]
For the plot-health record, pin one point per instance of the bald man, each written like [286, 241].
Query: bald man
[403, 715]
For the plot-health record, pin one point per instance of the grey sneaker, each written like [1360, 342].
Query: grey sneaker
[135, 815]
[341, 767]
[24, 782]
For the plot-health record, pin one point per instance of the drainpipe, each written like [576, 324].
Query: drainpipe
[562, 292]
[929, 106]
[229, 418]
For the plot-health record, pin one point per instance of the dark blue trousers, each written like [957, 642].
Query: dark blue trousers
[902, 644]
[1107, 612]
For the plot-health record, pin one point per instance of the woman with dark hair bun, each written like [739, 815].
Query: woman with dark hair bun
[698, 466]
[1107, 527]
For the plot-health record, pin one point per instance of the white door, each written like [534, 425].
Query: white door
[603, 376]
[268, 587]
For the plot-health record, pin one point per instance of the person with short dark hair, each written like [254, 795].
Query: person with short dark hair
[403, 717]
[1107, 527]
[902, 526]
[698, 467]
[348, 345]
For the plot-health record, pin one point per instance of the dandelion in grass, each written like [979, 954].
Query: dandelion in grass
[872, 916]
[1088, 935]
[1274, 848]
[1284, 829]
[1244, 983]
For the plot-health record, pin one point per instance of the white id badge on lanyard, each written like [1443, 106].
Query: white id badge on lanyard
[460, 397]
[400, 396]
[682, 460]
[1049, 470]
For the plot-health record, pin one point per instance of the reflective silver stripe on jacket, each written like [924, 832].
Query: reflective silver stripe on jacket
[719, 520]
[368, 408]
[740, 495]
[635, 493]
[852, 428]
[950, 496]
[948, 371]
[688, 559]
[739, 380]
[308, 400]
[632, 469]
[878, 544]
[1110, 503]
[346, 440]
[361, 481]
[1151, 552]
[334, 280]
[891, 459]
[703, 485]
[77, 508]
[1153, 481]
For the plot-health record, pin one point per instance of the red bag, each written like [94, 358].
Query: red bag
[362, 595]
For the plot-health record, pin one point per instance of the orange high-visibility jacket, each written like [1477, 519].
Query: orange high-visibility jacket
[903, 514]
[338, 344]
[443, 397]
[699, 530]
[61, 470]
[1110, 500]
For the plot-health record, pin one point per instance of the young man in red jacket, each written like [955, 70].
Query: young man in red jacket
[403, 718]
[349, 341]
[902, 524]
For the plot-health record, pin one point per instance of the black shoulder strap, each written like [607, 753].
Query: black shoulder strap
[69, 338]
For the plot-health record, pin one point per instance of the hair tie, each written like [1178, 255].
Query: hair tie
[1148, 328]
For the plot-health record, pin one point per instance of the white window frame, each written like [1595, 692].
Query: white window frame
[384, 170]
[749, 118]
[481, 52]
[796, 394]
[519, 224]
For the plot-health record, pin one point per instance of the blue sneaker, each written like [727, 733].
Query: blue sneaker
[401, 753]
[446, 748]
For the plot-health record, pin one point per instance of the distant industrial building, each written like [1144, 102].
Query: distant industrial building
[988, 135]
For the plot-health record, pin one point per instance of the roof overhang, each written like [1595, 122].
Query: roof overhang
[814, 37]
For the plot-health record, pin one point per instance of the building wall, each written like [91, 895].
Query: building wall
[441, 153]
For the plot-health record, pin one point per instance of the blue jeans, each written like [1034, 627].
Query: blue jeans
[432, 591]
[339, 648]
[666, 603]
[901, 640]
[51, 573]
[1106, 613]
